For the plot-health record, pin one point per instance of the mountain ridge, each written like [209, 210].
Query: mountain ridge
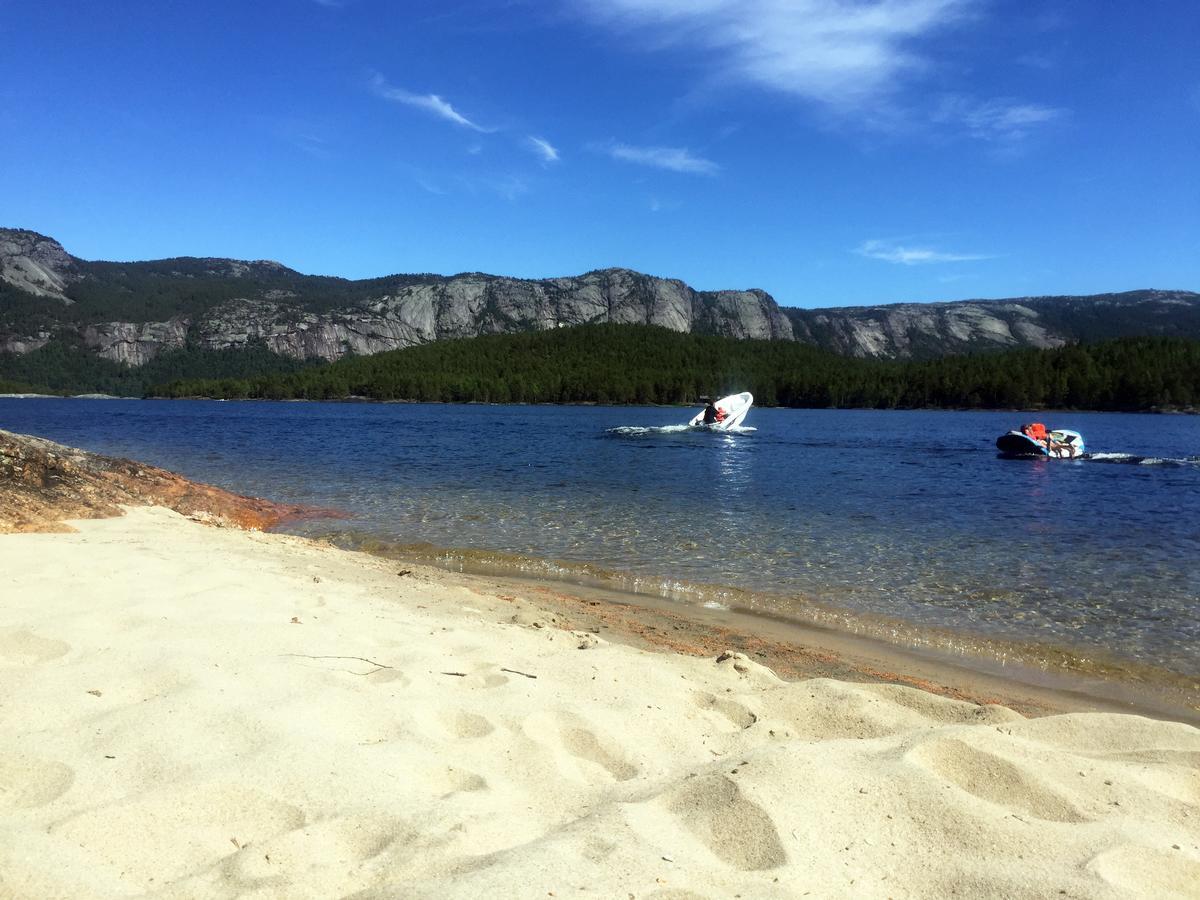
[131, 312]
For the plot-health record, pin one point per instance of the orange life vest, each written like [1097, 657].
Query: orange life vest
[1037, 431]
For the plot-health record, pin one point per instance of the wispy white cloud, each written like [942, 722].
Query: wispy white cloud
[543, 148]
[859, 59]
[995, 120]
[906, 255]
[675, 159]
[842, 53]
[429, 102]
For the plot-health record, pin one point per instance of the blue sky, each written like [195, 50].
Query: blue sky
[830, 152]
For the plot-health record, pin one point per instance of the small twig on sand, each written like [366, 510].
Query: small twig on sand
[359, 658]
[456, 674]
[515, 672]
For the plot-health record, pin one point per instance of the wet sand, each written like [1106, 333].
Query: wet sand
[1034, 679]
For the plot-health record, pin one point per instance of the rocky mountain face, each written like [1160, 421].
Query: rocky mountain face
[132, 312]
[35, 264]
[922, 330]
[307, 317]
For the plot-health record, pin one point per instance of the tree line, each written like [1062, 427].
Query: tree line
[636, 364]
[65, 366]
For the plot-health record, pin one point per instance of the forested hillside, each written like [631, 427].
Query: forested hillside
[18, 387]
[643, 364]
[63, 367]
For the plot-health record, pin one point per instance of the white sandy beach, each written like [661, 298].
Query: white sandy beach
[188, 711]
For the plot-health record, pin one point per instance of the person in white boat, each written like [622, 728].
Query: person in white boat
[713, 415]
[1037, 432]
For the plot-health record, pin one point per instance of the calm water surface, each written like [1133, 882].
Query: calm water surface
[898, 514]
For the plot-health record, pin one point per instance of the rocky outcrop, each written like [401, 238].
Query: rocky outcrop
[908, 330]
[470, 305]
[35, 264]
[912, 329]
[43, 483]
[21, 344]
[304, 335]
[135, 343]
[743, 314]
[463, 306]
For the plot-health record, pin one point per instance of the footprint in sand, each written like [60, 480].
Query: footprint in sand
[136, 836]
[27, 781]
[1141, 870]
[444, 781]
[467, 725]
[1169, 773]
[597, 849]
[447, 781]
[393, 677]
[24, 648]
[486, 678]
[583, 744]
[991, 777]
[735, 712]
[736, 830]
[327, 844]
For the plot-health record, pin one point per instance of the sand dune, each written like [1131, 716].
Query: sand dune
[197, 712]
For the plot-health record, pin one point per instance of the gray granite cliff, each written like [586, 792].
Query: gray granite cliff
[301, 321]
[131, 312]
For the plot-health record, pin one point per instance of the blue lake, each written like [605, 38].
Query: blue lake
[904, 515]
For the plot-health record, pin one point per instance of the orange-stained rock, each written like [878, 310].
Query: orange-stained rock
[43, 483]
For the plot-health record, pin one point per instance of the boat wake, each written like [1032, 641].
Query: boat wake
[638, 430]
[1135, 460]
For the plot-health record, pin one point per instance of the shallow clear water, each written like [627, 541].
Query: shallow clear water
[900, 514]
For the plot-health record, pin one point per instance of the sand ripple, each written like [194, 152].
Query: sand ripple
[246, 716]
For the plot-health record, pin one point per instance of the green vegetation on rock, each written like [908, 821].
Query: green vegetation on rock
[18, 387]
[63, 366]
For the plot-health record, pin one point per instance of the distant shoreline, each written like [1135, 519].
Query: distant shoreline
[1173, 411]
